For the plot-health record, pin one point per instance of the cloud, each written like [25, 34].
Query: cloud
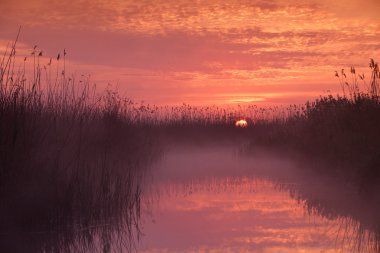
[181, 43]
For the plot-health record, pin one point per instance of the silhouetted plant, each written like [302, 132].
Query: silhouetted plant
[70, 164]
[74, 159]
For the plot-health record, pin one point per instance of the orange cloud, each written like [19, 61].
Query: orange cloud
[187, 48]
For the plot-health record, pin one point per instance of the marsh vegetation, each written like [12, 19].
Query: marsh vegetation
[73, 161]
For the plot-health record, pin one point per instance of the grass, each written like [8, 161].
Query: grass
[342, 132]
[70, 165]
[72, 161]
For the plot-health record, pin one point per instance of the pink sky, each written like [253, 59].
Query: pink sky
[202, 52]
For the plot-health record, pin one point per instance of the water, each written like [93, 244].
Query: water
[249, 217]
[196, 199]
[213, 200]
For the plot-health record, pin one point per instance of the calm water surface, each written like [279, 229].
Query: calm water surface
[203, 199]
[212, 200]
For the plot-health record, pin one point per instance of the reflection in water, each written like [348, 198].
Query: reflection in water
[357, 212]
[211, 201]
[245, 215]
[97, 211]
[194, 200]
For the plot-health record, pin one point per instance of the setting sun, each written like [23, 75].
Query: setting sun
[241, 123]
[190, 126]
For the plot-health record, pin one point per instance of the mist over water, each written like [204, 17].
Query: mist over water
[83, 171]
[213, 198]
[209, 196]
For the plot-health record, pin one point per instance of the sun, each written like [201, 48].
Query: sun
[241, 123]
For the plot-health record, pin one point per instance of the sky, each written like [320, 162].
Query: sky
[201, 52]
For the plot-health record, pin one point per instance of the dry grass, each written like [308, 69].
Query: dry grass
[70, 164]
[75, 160]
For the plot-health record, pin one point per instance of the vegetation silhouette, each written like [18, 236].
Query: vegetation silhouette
[341, 131]
[72, 161]
[70, 164]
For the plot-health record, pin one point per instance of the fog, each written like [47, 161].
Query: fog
[213, 197]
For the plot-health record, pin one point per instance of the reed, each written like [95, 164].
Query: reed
[71, 164]
[75, 159]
